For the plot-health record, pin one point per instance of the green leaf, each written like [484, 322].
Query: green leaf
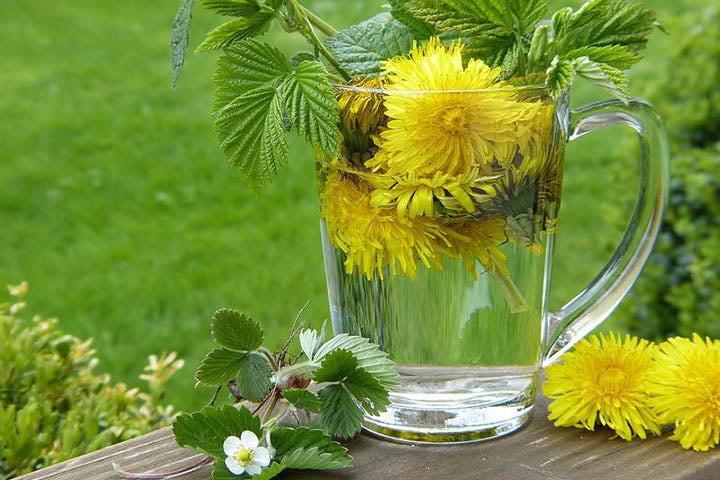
[539, 47]
[368, 391]
[362, 47]
[305, 448]
[236, 331]
[303, 399]
[494, 50]
[254, 377]
[604, 76]
[252, 135]
[560, 76]
[232, 8]
[219, 367]
[419, 29]
[237, 30]
[206, 430]
[310, 341]
[448, 20]
[341, 416]
[614, 55]
[368, 355]
[247, 66]
[300, 57]
[336, 366]
[312, 107]
[180, 37]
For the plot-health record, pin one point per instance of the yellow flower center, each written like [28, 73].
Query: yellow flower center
[454, 120]
[612, 380]
[243, 456]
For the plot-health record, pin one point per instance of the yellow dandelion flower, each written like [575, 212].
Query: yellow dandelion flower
[685, 390]
[604, 379]
[362, 113]
[373, 238]
[458, 135]
[479, 239]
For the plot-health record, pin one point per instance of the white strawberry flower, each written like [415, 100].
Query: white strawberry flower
[244, 455]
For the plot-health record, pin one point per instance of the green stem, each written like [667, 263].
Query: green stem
[271, 407]
[325, 52]
[512, 294]
[321, 24]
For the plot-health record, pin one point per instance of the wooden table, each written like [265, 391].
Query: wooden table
[539, 451]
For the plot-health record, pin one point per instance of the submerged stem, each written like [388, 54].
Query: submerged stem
[512, 294]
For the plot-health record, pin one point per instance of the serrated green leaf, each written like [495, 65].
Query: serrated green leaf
[560, 76]
[336, 366]
[313, 459]
[236, 30]
[494, 50]
[236, 331]
[180, 37]
[311, 105]
[341, 416]
[539, 47]
[287, 441]
[361, 48]
[253, 379]
[367, 390]
[448, 20]
[368, 355]
[219, 367]
[419, 29]
[252, 135]
[614, 55]
[245, 67]
[303, 399]
[604, 76]
[206, 430]
[310, 341]
[232, 8]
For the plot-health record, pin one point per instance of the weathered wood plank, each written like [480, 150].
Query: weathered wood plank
[538, 452]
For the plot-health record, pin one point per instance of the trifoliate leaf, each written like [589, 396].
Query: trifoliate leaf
[336, 366]
[237, 30]
[341, 416]
[245, 67]
[252, 135]
[368, 355]
[232, 8]
[367, 390]
[560, 76]
[303, 399]
[206, 430]
[253, 379]
[362, 47]
[604, 76]
[419, 29]
[329, 454]
[219, 367]
[180, 37]
[236, 331]
[311, 105]
[614, 55]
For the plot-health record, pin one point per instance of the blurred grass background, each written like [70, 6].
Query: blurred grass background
[117, 207]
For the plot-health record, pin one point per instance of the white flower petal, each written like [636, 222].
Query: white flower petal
[234, 466]
[253, 469]
[261, 457]
[249, 440]
[231, 446]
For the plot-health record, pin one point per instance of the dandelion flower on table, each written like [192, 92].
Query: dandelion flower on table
[373, 238]
[685, 390]
[605, 380]
[465, 131]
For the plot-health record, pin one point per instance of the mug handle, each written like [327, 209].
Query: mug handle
[598, 300]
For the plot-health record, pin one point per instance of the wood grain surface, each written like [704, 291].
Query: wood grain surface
[539, 451]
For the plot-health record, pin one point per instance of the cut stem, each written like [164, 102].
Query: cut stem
[512, 294]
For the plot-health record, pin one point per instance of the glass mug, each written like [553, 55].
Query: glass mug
[438, 222]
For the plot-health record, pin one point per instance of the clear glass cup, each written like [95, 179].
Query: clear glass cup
[438, 222]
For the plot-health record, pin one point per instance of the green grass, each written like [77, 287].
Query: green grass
[117, 207]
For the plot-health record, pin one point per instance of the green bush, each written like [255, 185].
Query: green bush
[679, 291]
[53, 407]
